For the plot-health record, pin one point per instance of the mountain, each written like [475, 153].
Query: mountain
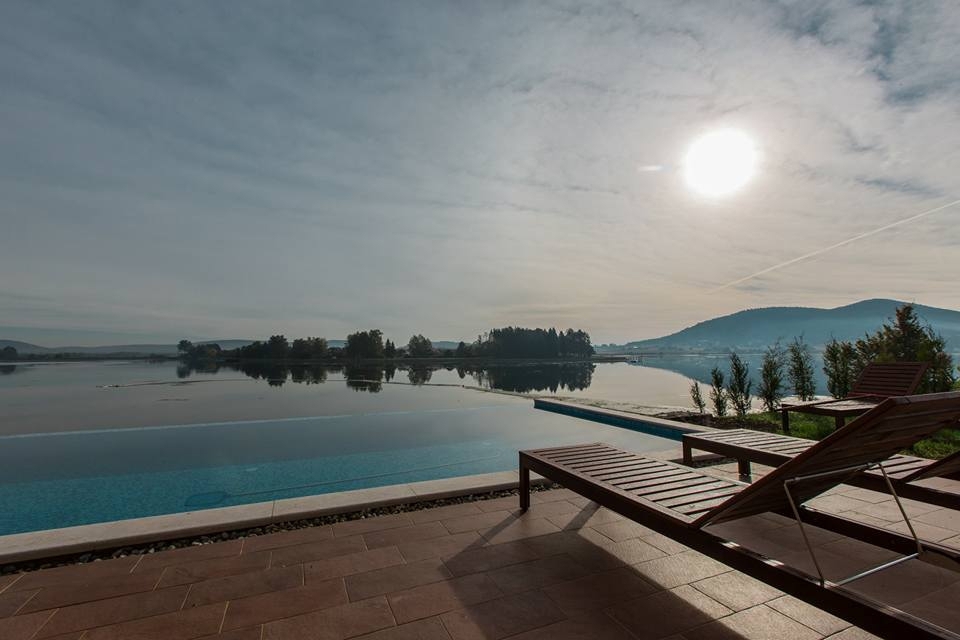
[756, 329]
[120, 349]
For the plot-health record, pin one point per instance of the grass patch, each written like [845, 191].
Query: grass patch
[812, 427]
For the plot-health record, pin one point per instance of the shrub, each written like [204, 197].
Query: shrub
[800, 369]
[738, 390]
[838, 364]
[771, 377]
[718, 394]
[697, 397]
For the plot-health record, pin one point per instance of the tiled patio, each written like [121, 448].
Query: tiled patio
[565, 569]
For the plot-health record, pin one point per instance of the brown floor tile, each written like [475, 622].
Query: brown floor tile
[253, 610]
[23, 627]
[352, 563]
[441, 547]
[506, 503]
[172, 626]
[665, 544]
[243, 585]
[368, 525]
[808, 615]
[519, 529]
[317, 551]
[214, 568]
[736, 590]
[64, 595]
[596, 591]
[667, 612]
[14, 601]
[488, 558]
[554, 509]
[946, 518]
[623, 530]
[889, 511]
[250, 633]
[555, 494]
[344, 621]
[939, 607]
[853, 633]
[757, 623]
[679, 569]
[585, 518]
[114, 610]
[286, 539]
[190, 554]
[537, 573]
[433, 599]
[429, 629]
[593, 626]
[380, 581]
[924, 531]
[446, 512]
[478, 522]
[629, 551]
[905, 582]
[9, 579]
[74, 574]
[502, 617]
[425, 531]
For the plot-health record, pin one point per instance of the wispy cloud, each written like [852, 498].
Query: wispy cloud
[225, 168]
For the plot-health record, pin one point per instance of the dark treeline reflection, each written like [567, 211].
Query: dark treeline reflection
[525, 378]
[571, 376]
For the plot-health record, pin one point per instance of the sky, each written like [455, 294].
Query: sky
[236, 169]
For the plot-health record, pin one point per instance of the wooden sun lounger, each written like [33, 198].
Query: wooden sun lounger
[770, 449]
[877, 381]
[680, 502]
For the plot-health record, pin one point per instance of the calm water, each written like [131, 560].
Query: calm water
[38, 398]
[79, 449]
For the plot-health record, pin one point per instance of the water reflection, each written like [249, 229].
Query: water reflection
[518, 378]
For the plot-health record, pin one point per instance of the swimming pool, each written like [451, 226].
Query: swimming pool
[56, 480]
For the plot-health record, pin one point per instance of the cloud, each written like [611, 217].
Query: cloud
[218, 168]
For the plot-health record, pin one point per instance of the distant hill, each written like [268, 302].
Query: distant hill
[119, 349]
[160, 349]
[755, 329]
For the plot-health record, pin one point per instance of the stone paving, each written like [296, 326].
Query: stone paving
[565, 569]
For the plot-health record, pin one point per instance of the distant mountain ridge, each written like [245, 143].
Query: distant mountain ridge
[756, 329]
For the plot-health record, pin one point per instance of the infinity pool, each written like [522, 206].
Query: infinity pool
[53, 480]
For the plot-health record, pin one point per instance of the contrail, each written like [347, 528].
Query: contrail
[842, 243]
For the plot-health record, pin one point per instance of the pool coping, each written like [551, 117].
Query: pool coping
[671, 429]
[51, 543]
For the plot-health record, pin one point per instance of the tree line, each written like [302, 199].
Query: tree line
[507, 342]
[791, 369]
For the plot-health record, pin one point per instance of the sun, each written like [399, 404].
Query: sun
[720, 162]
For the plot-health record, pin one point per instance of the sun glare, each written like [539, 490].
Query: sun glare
[721, 162]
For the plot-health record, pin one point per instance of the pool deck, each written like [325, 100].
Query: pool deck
[565, 569]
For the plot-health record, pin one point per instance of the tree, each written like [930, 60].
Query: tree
[365, 344]
[738, 389]
[771, 377]
[278, 348]
[907, 340]
[389, 349]
[184, 347]
[718, 394]
[800, 369]
[697, 397]
[838, 365]
[309, 349]
[8, 353]
[419, 347]
[462, 350]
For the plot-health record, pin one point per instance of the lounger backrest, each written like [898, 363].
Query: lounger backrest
[893, 425]
[948, 467]
[889, 379]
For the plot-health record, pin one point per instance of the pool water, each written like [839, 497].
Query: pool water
[52, 480]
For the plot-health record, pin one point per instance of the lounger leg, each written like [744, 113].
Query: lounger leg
[785, 420]
[743, 468]
[838, 422]
[687, 453]
[524, 488]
